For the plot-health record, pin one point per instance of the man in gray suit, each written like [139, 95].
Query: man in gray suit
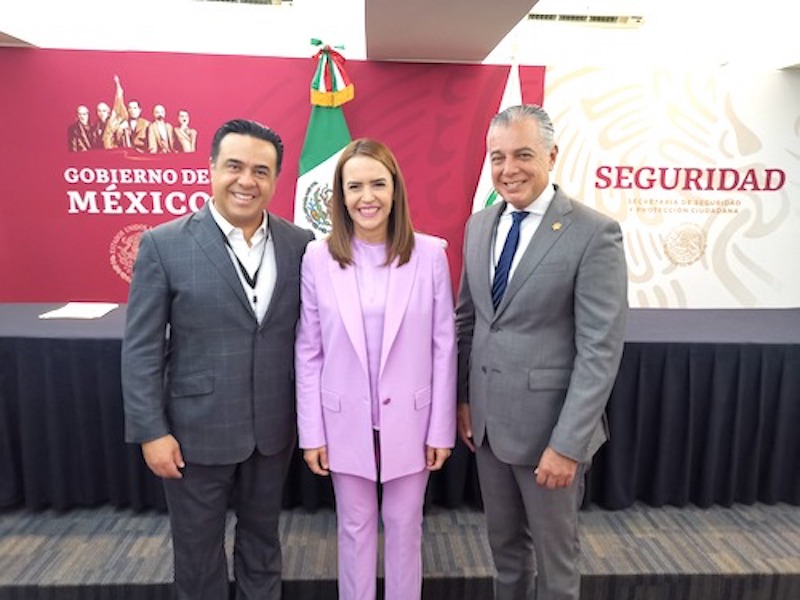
[540, 334]
[207, 367]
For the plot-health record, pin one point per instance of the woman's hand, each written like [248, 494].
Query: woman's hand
[435, 457]
[317, 460]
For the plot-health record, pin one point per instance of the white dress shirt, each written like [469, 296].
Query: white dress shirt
[528, 227]
[259, 256]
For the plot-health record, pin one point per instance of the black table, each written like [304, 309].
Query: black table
[705, 411]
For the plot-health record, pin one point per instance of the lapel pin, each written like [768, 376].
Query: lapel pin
[556, 226]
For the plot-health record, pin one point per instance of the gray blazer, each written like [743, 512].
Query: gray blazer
[195, 361]
[540, 369]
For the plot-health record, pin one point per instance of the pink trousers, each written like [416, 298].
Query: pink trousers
[357, 514]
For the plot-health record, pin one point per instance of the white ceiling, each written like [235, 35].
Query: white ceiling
[713, 32]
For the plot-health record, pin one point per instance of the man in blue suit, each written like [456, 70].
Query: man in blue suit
[540, 319]
[207, 379]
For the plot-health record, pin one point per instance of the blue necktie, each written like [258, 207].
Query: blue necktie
[506, 258]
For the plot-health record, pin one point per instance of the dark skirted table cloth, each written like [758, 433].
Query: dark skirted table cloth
[705, 410]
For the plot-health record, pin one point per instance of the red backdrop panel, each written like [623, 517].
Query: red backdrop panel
[64, 230]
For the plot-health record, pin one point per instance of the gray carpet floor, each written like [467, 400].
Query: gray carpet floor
[755, 549]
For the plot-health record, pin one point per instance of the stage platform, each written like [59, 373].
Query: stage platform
[746, 552]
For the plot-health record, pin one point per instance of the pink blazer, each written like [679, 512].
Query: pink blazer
[417, 381]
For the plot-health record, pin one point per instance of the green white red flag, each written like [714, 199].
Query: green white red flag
[326, 136]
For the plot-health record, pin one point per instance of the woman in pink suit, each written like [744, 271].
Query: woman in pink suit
[376, 370]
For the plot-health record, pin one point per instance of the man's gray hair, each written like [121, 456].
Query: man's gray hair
[513, 114]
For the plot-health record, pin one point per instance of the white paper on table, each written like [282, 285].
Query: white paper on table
[80, 310]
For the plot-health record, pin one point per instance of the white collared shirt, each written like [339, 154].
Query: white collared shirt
[260, 253]
[528, 227]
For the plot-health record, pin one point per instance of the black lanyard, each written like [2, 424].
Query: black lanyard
[251, 281]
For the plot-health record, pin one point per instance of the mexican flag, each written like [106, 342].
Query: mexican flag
[326, 137]
[485, 194]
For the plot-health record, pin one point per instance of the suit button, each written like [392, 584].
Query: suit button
[483, 369]
[387, 400]
[494, 329]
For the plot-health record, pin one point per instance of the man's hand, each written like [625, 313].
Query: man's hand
[435, 457]
[317, 460]
[465, 426]
[163, 456]
[555, 470]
